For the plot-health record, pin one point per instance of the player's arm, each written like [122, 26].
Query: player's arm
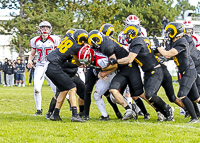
[168, 54]
[75, 57]
[127, 60]
[30, 58]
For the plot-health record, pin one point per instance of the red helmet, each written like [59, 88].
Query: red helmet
[85, 54]
[132, 19]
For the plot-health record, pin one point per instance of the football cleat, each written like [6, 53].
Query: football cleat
[102, 118]
[119, 115]
[194, 121]
[140, 113]
[187, 114]
[39, 112]
[81, 114]
[76, 119]
[170, 114]
[129, 114]
[160, 117]
[55, 118]
[86, 117]
[146, 116]
[48, 115]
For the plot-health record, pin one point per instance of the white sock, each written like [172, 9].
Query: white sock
[101, 106]
[38, 100]
[128, 101]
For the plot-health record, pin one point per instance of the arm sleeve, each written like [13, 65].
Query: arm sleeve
[32, 43]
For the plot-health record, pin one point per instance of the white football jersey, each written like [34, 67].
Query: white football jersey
[196, 39]
[101, 60]
[44, 48]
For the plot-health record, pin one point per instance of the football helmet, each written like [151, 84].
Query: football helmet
[95, 38]
[174, 29]
[71, 31]
[80, 36]
[86, 54]
[131, 31]
[107, 29]
[188, 26]
[45, 24]
[132, 20]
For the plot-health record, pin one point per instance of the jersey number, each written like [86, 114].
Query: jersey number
[148, 44]
[39, 51]
[65, 45]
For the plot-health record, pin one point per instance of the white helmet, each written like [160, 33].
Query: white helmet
[132, 19]
[188, 24]
[45, 24]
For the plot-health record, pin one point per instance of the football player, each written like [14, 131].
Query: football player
[141, 53]
[180, 52]
[96, 59]
[67, 49]
[43, 45]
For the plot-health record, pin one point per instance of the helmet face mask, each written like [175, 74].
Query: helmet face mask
[45, 28]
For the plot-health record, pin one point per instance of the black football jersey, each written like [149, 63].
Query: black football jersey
[63, 52]
[194, 53]
[110, 46]
[183, 59]
[145, 58]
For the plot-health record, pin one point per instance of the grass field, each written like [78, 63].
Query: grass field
[18, 123]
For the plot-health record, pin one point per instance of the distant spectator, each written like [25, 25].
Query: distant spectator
[10, 74]
[24, 79]
[5, 70]
[31, 75]
[13, 63]
[19, 69]
[1, 68]
[165, 21]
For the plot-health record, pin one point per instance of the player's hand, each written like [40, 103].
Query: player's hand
[30, 64]
[156, 42]
[112, 61]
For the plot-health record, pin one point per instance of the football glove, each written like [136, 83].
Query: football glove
[112, 61]
[156, 42]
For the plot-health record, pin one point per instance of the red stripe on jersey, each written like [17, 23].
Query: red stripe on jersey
[98, 58]
[49, 38]
[197, 45]
[39, 38]
[194, 37]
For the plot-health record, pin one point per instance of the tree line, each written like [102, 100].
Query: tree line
[85, 14]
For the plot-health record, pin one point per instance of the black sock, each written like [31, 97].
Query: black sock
[159, 104]
[81, 108]
[140, 104]
[190, 107]
[114, 106]
[196, 107]
[52, 105]
[56, 112]
[127, 107]
[74, 111]
[87, 103]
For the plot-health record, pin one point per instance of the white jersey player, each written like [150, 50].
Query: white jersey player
[43, 45]
[87, 55]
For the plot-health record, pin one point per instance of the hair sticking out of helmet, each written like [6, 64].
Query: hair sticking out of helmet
[43, 31]
[132, 20]
[107, 29]
[86, 55]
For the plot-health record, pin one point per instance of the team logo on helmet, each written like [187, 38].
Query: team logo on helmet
[80, 35]
[107, 29]
[132, 31]
[132, 19]
[174, 29]
[86, 54]
[95, 38]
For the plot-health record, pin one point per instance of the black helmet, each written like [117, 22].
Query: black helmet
[174, 29]
[95, 38]
[71, 31]
[132, 31]
[107, 29]
[80, 35]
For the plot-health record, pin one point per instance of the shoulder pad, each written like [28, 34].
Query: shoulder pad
[188, 38]
[137, 41]
[181, 42]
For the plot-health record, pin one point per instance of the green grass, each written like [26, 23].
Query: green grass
[18, 123]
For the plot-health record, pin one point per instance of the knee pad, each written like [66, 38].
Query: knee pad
[96, 95]
[172, 98]
[37, 90]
